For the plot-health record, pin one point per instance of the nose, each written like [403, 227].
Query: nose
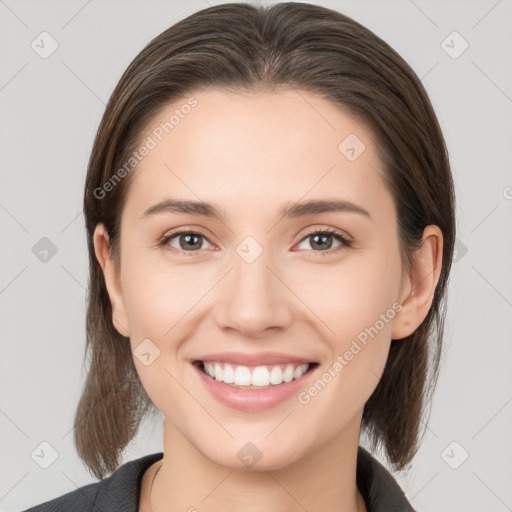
[253, 298]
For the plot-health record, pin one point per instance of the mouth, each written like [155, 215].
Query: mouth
[254, 377]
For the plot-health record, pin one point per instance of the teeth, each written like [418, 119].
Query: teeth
[260, 376]
[228, 375]
[276, 375]
[242, 376]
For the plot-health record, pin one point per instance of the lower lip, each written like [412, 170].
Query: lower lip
[253, 399]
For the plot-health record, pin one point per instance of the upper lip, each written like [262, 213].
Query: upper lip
[261, 359]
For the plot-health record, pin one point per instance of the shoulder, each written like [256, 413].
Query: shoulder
[119, 492]
[379, 489]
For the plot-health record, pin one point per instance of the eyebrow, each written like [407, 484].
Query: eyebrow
[290, 210]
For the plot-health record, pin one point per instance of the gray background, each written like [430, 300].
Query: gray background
[50, 111]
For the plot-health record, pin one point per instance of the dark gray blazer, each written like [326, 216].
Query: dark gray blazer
[121, 490]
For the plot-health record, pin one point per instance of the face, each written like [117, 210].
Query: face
[317, 289]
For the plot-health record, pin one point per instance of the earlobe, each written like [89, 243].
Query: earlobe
[421, 284]
[112, 279]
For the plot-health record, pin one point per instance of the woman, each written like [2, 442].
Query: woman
[270, 220]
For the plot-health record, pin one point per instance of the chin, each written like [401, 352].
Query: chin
[253, 456]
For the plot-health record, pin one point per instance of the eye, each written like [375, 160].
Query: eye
[191, 242]
[188, 241]
[323, 239]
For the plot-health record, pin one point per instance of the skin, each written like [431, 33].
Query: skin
[251, 154]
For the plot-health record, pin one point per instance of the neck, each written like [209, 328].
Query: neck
[323, 480]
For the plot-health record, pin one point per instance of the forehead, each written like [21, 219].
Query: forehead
[252, 150]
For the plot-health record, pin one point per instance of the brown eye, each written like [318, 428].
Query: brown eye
[186, 241]
[322, 241]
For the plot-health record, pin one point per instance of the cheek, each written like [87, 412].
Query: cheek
[356, 304]
[158, 297]
[356, 296]
[160, 303]
[358, 352]
[156, 303]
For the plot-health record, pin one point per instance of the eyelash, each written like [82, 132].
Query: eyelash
[346, 242]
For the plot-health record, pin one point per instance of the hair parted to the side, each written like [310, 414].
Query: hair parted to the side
[242, 47]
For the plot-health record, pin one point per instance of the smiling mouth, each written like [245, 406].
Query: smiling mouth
[256, 377]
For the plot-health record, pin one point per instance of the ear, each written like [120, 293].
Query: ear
[112, 279]
[417, 290]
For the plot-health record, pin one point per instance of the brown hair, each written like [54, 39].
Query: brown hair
[243, 47]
